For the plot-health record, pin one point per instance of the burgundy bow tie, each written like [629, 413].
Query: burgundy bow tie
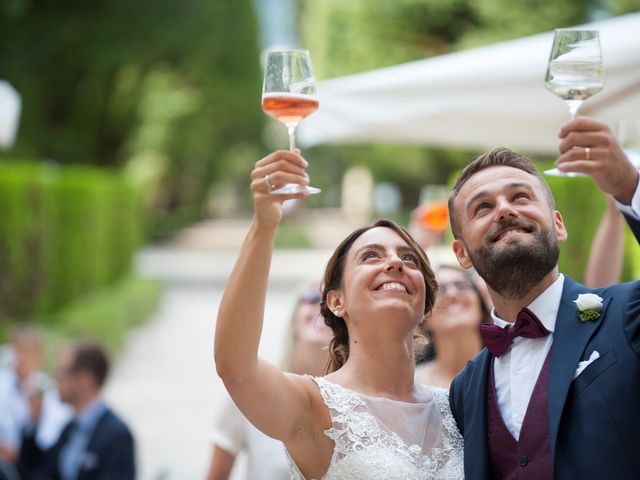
[498, 339]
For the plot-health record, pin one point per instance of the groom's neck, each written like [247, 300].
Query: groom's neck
[508, 308]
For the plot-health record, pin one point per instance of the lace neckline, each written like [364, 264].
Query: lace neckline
[421, 391]
[378, 438]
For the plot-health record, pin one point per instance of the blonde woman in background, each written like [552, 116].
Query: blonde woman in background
[453, 327]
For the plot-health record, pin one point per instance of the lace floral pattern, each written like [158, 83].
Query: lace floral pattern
[368, 447]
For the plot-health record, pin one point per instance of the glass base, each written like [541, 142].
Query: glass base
[554, 172]
[291, 188]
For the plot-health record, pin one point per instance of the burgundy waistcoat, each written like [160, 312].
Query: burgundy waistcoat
[529, 458]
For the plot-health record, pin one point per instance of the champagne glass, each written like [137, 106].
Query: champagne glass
[574, 72]
[289, 95]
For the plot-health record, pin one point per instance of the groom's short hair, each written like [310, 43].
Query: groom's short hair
[498, 157]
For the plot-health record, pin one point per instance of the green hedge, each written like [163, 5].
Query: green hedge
[582, 204]
[64, 232]
[105, 315]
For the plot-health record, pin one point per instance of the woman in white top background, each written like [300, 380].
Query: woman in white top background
[367, 418]
[305, 352]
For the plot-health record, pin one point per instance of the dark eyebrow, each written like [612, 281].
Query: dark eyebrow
[510, 186]
[376, 246]
[369, 246]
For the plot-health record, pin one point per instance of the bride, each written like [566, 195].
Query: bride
[366, 419]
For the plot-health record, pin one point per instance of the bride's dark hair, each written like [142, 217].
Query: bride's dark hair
[333, 276]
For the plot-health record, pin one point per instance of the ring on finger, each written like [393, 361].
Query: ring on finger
[587, 153]
[269, 185]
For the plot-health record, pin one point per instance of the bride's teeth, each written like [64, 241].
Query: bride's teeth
[393, 286]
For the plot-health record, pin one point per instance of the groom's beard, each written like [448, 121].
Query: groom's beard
[515, 268]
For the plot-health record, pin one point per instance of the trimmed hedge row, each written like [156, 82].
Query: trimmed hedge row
[64, 232]
[582, 204]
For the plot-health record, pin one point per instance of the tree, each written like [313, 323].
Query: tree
[163, 87]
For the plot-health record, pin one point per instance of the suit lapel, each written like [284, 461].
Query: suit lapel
[570, 339]
[90, 458]
[634, 225]
[475, 428]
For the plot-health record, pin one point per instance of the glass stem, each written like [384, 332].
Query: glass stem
[292, 138]
[573, 105]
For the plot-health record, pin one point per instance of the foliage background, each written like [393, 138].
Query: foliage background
[165, 90]
[164, 96]
[354, 36]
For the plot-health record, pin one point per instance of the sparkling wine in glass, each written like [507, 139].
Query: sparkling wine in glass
[574, 72]
[289, 95]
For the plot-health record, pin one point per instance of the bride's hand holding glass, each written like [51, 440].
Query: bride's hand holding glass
[289, 95]
[269, 174]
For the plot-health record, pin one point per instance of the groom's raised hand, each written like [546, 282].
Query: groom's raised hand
[590, 147]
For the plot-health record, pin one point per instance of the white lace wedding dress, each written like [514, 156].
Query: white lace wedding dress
[381, 439]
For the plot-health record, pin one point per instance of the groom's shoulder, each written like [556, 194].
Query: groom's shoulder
[622, 293]
[473, 367]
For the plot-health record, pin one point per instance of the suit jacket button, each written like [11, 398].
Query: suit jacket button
[523, 460]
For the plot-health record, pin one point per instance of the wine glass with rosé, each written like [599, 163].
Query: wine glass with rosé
[289, 95]
[574, 72]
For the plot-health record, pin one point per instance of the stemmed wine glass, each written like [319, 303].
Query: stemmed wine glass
[574, 72]
[289, 95]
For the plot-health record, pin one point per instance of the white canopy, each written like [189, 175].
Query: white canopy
[477, 98]
[9, 114]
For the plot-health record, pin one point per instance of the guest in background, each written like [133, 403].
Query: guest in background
[22, 385]
[305, 352]
[96, 444]
[452, 327]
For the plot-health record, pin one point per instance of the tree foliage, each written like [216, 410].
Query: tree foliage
[355, 36]
[359, 35]
[161, 87]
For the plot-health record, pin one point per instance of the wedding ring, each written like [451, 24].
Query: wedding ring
[268, 183]
[587, 153]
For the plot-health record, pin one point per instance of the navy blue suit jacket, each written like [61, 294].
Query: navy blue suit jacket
[594, 420]
[110, 454]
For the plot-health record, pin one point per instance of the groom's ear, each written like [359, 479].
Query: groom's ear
[561, 231]
[460, 250]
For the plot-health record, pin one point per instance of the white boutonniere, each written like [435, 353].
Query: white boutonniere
[589, 306]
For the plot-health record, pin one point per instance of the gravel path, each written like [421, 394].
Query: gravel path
[164, 383]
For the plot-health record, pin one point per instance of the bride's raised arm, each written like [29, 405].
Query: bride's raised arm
[275, 402]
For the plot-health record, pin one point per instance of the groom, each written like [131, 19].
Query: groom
[556, 394]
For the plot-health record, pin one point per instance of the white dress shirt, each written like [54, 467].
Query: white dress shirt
[516, 371]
